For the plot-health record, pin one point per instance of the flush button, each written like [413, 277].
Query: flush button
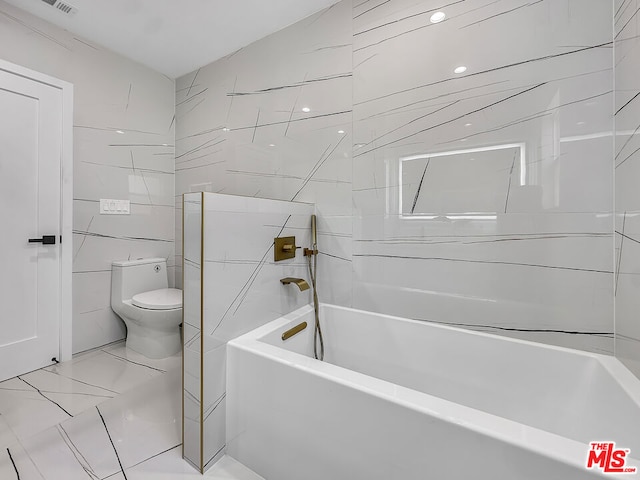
[157, 268]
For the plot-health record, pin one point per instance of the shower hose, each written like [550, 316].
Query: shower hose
[317, 335]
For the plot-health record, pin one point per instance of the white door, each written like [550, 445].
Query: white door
[30, 182]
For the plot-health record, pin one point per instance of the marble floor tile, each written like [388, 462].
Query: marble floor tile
[171, 466]
[145, 421]
[86, 435]
[35, 401]
[72, 395]
[7, 437]
[71, 421]
[6, 467]
[55, 458]
[105, 370]
[27, 411]
[163, 364]
[15, 463]
[136, 435]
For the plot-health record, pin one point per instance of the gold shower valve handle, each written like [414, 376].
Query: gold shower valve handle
[309, 252]
[284, 248]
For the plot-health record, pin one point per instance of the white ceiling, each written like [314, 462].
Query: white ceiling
[175, 37]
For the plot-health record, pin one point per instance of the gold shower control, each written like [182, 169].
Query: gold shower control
[284, 248]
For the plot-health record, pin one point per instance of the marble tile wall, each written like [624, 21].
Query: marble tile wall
[241, 130]
[506, 167]
[123, 149]
[510, 240]
[627, 172]
[235, 268]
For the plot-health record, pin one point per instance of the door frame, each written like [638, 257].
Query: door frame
[66, 198]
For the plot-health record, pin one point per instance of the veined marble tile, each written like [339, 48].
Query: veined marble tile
[627, 169]
[244, 291]
[71, 395]
[145, 421]
[520, 247]
[87, 438]
[171, 465]
[7, 469]
[42, 399]
[15, 463]
[26, 411]
[120, 350]
[7, 437]
[562, 241]
[215, 432]
[55, 456]
[105, 441]
[334, 260]
[119, 247]
[626, 290]
[191, 425]
[80, 448]
[192, 325]
[241, 128]
[105, 370]
[159, 217]
[93, 327]
[540, 272]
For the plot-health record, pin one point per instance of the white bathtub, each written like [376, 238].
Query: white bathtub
[401, 399]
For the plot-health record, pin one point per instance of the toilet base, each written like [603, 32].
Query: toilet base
[156, 345]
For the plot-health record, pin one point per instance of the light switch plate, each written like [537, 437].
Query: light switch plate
[114, 207]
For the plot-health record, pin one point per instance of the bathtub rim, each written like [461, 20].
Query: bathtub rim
[562, 449]
[623, 376]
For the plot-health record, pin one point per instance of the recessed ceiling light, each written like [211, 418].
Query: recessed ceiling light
[438, 17]
[120, 132]
[272, 144]
[306, 109]
[468, 124]
[341, 132]
[225, 129]
[460, 69]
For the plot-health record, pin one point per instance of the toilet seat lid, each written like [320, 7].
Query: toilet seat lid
[163, 299]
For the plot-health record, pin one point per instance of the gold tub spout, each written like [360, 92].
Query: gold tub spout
[302, 284]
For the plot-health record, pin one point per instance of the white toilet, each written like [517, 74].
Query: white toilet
[152, 311]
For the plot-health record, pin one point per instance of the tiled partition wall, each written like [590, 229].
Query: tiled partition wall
[506, 182]
[229, 258]
[192, 328]
[505, 223]
[241, 130]
[123, 149]
[627, 164]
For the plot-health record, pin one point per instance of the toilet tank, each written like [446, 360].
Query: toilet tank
[130, 277]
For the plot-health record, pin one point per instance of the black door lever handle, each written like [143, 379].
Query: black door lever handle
[45, 240]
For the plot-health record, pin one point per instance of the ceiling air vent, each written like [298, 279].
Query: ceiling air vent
[64, 7]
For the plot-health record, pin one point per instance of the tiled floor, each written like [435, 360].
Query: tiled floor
[107, 414]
